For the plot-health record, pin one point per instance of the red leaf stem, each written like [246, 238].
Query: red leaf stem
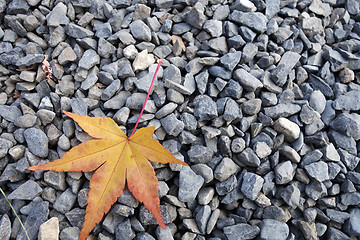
[147, 97]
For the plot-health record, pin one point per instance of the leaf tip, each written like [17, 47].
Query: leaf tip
[32, 168]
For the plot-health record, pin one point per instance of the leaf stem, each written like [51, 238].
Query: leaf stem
[147, 97]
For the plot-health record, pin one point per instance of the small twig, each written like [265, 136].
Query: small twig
[27, 236]
[147, 97]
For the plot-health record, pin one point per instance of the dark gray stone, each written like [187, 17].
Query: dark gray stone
[337, 216]
[336, 60]
[221, 72]
[200, 154]
[241, 231]
[65, 202]
[350, 160]
[254, 20]
[189, 184]
[105, 49]
[318, 170]
[37, 142]
[10, 113]
[348, 101]
[284, 172]
[225, 169]
[232, 89]
[70, 233]
[37, 213]
[124, 231]
[349, 199]
[282, 110]
[247, 80]
[144, 236]
[89, 59]
[76, 217]
[201, 81]
[17, 6]
[343, 141]
[103, 30]
[274, 213]
[213, 27]
[5, 227]
[77, 32]
[12, 56]
[291, 195]
[352, 226]
[347, 124]
[202, 217]
[172, 125]
[140, 30]
[55, 180]
[29, 60]
[335, 234]
[231, 111]
[251, 185]
[163, 234]
[248, 158]
[318, 83]
[205, 108]
[286, 64]
[147, 218]
[316, 190]
[57, 16]
[271, 229]
[26, 191]
[230, 187]
[195, 18]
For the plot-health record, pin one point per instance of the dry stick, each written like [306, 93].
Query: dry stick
[27, 236]
[147, 97]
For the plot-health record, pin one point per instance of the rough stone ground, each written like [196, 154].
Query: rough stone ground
[261, 98]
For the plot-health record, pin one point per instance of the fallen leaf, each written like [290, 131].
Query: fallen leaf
[46, 68]
[116, 159]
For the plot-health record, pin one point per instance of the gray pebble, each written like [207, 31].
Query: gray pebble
[202, 217]
[317, 101]
[204, 170]
[246, 231]
[284, 172]
[10, 113]
[5, 227]
[352, 225]
[189, 184]
[124, 230]
[200, 154]
[70, 233]
[205, 108]
[247, 80]
[251, 185]
[38, 212]
[273, 229]
[248, 157]
[55, 180]
[65, 202]
[140, 30]
[37, 142]
[291, 195]
[225, 169]
[26, 191]
[89, 59]
[172, 125]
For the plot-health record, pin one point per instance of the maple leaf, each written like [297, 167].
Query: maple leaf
[116, 159]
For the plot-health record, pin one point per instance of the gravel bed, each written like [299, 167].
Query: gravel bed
[261, 98]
